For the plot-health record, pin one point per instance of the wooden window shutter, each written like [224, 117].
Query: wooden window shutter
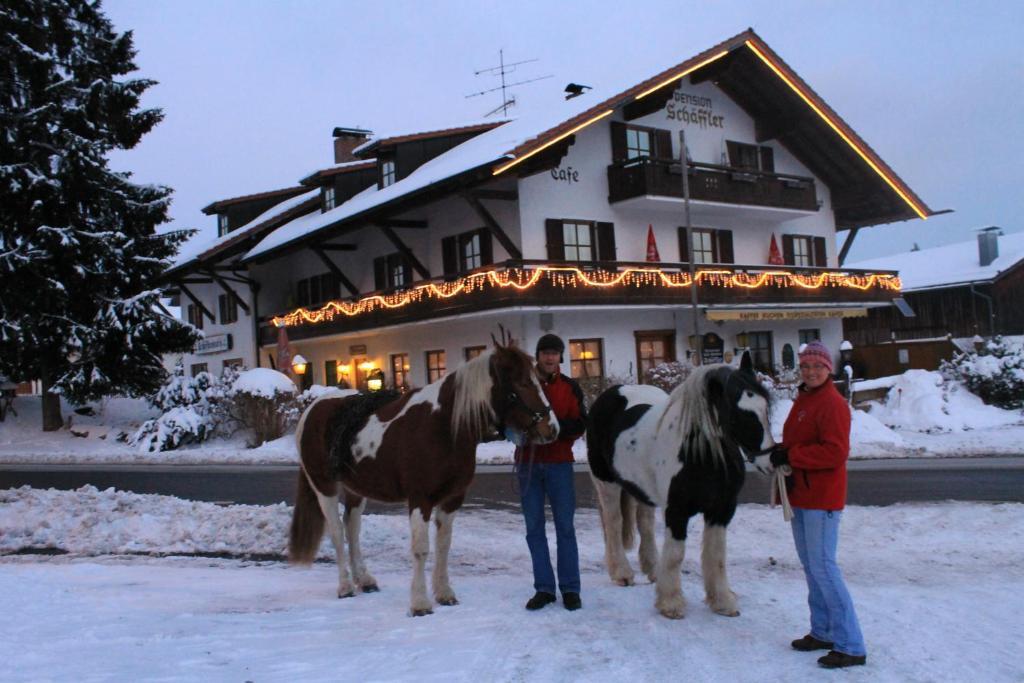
[380, 277]
[605, 242]
[820, 259]
[684, 247]
[450, 255]
[486, 247]
[734, 152]
[787, 250]
[662, 144]
[556, 242]
[222, 304]
[768, 159]
[618, 141]
[724, 251]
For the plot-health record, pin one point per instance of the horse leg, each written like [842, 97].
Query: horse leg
[443, 593]
[648, 545]
[329, 506]
[609, 504]
[354, 506]
[419, 528]
[718, 595]
[670, 601]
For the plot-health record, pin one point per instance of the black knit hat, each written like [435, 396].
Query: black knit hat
[550, 342]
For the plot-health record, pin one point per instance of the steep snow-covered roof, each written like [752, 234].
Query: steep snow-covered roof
[948, 265]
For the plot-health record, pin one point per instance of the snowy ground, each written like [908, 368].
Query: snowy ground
[919, 418]
[939, 589]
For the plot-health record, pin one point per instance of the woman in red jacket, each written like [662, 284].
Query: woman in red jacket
[816, 444]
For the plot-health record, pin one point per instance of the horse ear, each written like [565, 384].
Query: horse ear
[746, 363]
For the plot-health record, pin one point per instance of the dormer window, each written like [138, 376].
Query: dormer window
[222, 224]
[328, 198]
[387, 172]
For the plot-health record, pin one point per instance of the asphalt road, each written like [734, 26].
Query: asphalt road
[871, 482]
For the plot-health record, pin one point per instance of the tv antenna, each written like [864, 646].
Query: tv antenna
[502, 70]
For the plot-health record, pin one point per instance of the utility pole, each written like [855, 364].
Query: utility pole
[699, 351]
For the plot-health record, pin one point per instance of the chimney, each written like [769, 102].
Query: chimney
[346, 140]
[988, 245]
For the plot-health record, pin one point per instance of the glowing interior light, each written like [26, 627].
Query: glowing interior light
[551, 142]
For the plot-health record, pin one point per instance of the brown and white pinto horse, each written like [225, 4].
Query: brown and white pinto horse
[418, 447]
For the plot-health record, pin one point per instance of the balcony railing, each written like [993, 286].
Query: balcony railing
[709, 182]
[565, 283]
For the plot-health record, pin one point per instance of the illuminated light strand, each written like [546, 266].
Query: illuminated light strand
[682, 74]
[551, 142]
[827, 119]
[522, 279]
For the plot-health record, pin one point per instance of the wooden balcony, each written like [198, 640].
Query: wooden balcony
[647, 177]
[551, 283]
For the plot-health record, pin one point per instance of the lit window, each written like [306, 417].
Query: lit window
[585, 358]
[472, 352]
[400, 370]
[435, 366]
[578, 240]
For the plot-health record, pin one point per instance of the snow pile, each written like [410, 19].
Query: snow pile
[263, 382]
[922, 401]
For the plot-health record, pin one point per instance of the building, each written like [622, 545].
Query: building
[410, 252]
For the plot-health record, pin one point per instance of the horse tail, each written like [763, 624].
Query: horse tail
[307, 524]
[627, 505]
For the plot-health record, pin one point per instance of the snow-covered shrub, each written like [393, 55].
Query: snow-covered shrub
[261, 401]
[995, 373]
[782, 384]
[668, 376]
[193, 410]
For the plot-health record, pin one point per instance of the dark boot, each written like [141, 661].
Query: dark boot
[809, 643]
[540, 599]
[840, 660]
[571, 601]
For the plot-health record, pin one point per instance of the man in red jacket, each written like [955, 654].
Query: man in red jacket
[547, 471]
[816, 444]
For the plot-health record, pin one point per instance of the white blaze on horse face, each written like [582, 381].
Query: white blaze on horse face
[758, 405]
[369, 438]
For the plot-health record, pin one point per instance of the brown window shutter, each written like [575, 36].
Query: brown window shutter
[768, 159]
[618, 141]
[662, 144]
[724, 252]
[684, 247]
[450, 255]
[605, 242]
[556, 242]
[820, 259]
[787, 250]
[734, 152]
[380, 278]
[486, 247]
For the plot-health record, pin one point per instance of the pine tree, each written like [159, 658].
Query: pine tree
[79, 252]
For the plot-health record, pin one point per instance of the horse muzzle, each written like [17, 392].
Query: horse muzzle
[759, 459]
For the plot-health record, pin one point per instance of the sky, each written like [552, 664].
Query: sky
[251, 89]
[152, 588]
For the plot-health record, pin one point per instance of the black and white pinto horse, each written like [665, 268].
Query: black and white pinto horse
[418, 447]
[685, 453]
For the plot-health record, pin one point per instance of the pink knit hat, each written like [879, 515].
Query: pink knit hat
[815, 350]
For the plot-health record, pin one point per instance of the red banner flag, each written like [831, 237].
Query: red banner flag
[774, 255]
[284, 352]
[652, 246]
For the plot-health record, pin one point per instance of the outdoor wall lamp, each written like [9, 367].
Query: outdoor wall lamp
[375, 380]
[299, 364]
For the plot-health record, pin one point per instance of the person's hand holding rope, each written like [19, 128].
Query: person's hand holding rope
[780, 462]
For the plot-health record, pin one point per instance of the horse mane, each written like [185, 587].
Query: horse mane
[697, 425]
[472, 411]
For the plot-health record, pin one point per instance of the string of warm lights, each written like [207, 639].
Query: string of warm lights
[565, 277]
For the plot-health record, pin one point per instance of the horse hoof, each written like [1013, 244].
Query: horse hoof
[673, 613]
[728, 612]
[349, 594]
[420, 612]
[624, 581]
[372, 588]
[448, 602]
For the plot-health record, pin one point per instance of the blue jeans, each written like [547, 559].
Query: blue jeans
[816, 533]
[555, 481]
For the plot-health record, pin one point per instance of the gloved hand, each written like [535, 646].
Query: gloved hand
[779, 455]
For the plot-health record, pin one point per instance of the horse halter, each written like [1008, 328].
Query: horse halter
[514, 400]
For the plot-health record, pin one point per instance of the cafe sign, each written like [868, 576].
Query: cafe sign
[769, 314]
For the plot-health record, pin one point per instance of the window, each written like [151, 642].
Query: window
[710, 245]
[807, 336]
[469, 250]
[652, 349]
[195, 316]
[804, 251]
[387, 172]
[196, 368]
[328, 198]
[580, 241]
[235, 363]
[586, 358]
[318, 289]
[222, 224]
[435, 366]
[228, 309]
[400, 370]
[330, 373]
[471, 352]
[788, 357]
[761, 350]
[631, 143]
[391, 272]
[638, 143]
[750, 157]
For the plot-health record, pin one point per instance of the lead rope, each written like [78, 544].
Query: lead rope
[778, 491]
